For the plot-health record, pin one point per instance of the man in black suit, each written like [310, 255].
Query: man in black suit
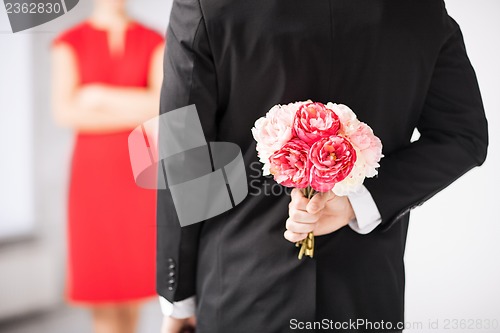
[399, 65]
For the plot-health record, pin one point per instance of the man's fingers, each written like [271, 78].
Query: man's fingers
[319, 201]
[302, 216]
[315, 205]
[294, 237]
[299, 201]
[172, 325]
[299, 228]
[191, 321]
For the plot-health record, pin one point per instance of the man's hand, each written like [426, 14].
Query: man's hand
[175, 325]
[323, 214]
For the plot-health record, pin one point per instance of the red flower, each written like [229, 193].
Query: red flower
[331, 160]
[314, 121]
[289, 164]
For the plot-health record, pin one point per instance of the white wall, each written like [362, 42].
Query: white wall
[17, 216]
[32, 270]
[453, 251]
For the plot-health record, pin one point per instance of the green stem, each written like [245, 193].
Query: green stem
[307, 244]
[308, 192]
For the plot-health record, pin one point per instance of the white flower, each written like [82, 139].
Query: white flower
[348, 119]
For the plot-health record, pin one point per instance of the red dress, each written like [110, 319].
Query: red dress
[111, 232]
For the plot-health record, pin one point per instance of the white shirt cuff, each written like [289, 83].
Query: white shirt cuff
[180, 309]
[366, 211]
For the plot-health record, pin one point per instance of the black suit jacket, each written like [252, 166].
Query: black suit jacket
[399, 65]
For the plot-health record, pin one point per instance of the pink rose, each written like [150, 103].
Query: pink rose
[369, 146]
[372, 156]
[362, 136]
[348, 119]
[274, 130]
[289, 164]
[314, 121]
[331, 160]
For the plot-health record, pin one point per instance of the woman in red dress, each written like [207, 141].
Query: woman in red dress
[107, 73]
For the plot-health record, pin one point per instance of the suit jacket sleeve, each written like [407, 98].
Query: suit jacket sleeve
[189, 78]
[453, 138]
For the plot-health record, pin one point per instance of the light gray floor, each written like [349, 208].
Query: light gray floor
[77, 320]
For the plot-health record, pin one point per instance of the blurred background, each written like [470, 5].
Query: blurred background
[452, 251]
[34, 173]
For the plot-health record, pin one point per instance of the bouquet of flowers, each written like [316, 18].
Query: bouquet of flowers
[316, 148]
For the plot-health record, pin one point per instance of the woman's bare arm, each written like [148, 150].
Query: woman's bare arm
[97, 108]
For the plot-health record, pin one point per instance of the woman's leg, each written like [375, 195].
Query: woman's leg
[116, 318]
[129, 315]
